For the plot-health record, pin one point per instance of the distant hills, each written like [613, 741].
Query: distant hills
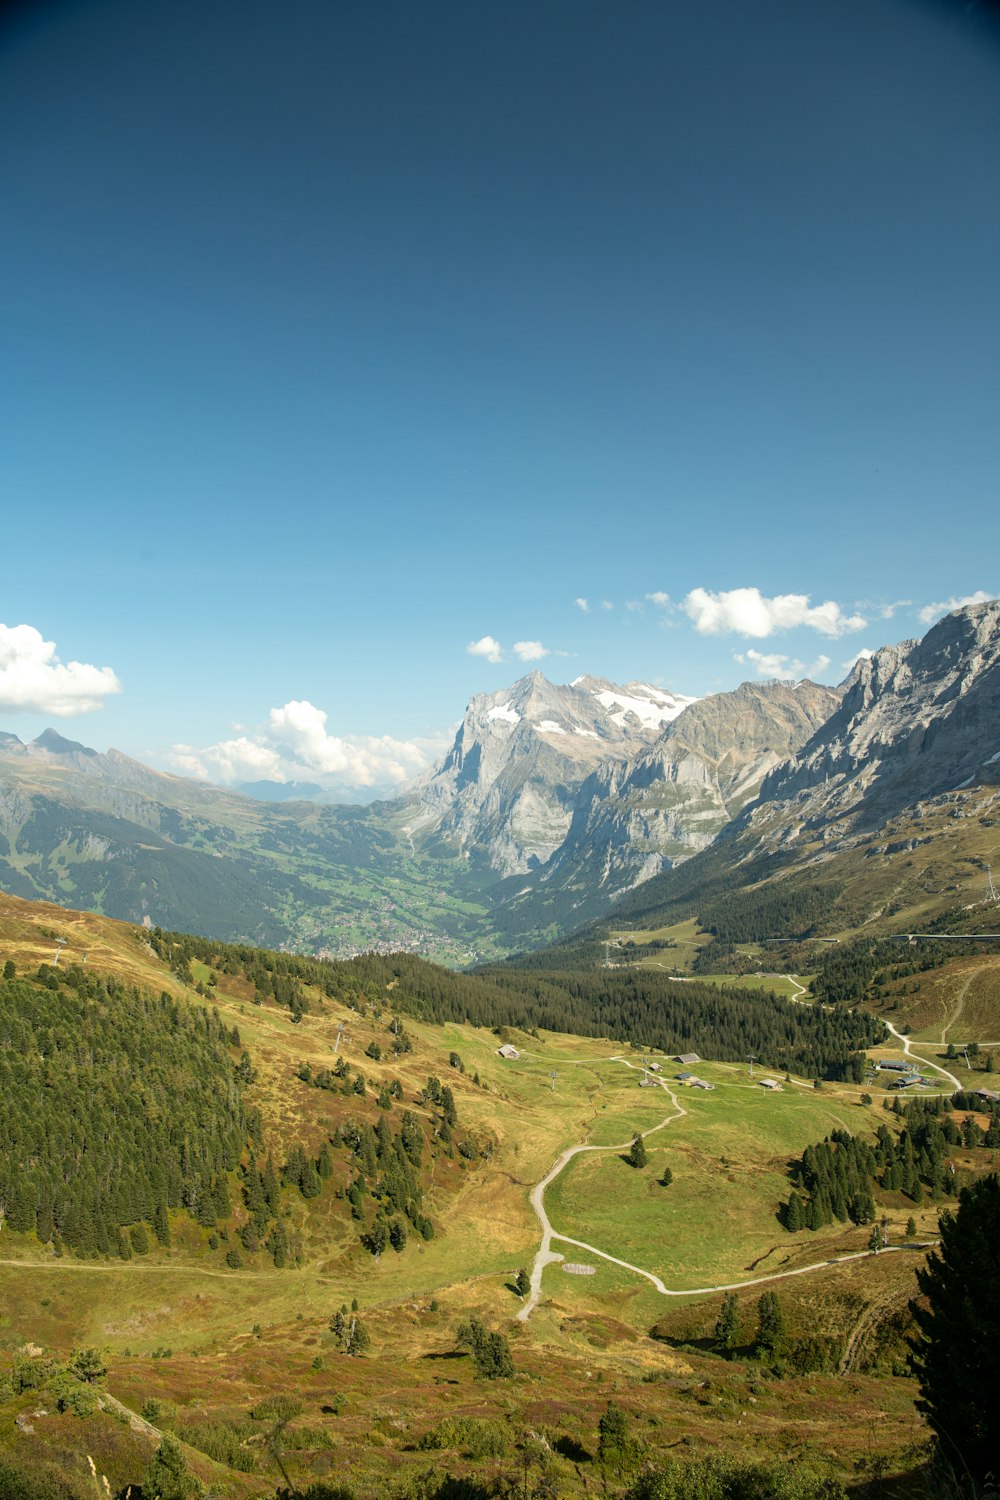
[556, 805]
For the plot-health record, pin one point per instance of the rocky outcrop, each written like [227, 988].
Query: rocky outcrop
[916, 720]
[632, 820]
[504, 793]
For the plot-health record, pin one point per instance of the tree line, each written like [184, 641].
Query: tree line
[564, 990]
[837, 1178]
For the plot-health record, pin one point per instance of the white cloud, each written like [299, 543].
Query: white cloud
[635, 606]
[659, 598]
[34, 680]
[530, 650]
[777, 664]
[487, 647]
[606, 604]
[583, 604]
[932, 612]
[749, 612]
[863, 655]
[240, 759]
[887, 611]
[296, 746]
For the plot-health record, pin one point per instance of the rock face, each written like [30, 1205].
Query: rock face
[635, 818]
[503, 795]
[916, 720]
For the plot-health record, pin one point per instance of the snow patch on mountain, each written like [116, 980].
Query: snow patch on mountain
[503, 712]
[651, 707]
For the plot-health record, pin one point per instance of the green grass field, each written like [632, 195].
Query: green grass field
[234, 1336]
[729, 1158]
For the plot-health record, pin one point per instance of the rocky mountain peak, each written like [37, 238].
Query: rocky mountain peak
[917, 719]
[54, 743]
[503, 792]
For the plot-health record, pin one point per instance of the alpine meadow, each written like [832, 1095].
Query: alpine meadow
[499, 751]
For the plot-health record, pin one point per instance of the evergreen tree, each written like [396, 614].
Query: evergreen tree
[167, 1476]
[522, 1282]
[956, 1355]
[636, 1155]
[727, 1328]
[310, 1184]
[770, 1325]
[490, 1350]
[161, 1226]
[618, 1450]
[358, 1339]
[377, 1238]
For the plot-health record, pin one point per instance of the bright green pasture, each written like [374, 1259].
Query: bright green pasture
[729, 1157]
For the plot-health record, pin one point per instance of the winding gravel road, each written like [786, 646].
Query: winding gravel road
[546, 1256]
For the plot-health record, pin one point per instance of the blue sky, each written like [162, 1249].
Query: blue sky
[340, 338]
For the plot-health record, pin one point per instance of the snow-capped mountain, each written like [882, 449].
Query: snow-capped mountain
[635, 818]
[503, 794]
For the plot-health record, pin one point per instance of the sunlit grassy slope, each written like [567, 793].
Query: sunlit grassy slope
[236, 1336]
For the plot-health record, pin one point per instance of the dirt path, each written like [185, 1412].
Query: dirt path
[867, 1322]
[960, 1002]
[66, 1263]
[546, 1256]
[917, 1058]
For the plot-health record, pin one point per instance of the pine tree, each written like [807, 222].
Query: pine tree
[490, 1350]
[794, 1216]
[618, 1449]
[636, 1154]
[377, 1238]
[167, 1476]
[770, 1324]
[727, 1328]
[957, 1354]
[161, 1225]
[358, 1339]
[310, 1184]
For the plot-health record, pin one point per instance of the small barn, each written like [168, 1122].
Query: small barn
[684, 1077]
[700, 1083]
[688, 1057]
[508, 1051]
[888, 1065]
[645, 1082]
[771, 1084]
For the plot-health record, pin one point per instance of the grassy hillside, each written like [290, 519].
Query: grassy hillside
[203, 1349]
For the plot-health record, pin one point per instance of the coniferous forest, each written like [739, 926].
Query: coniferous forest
[572, 995]
[118, 1107]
